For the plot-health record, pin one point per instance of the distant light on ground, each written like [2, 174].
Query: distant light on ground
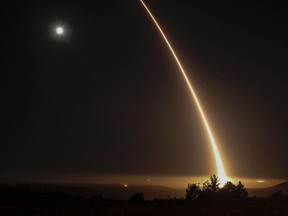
[125, 185]
[260, 181]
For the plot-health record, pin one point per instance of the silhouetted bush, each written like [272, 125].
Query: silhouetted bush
[211, 190]
[138, 197]
[278, 194]
[279, 197]
[241, 191]
[229, 190]
[193, 191]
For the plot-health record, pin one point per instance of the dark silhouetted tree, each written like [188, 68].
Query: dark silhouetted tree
[214, 183]
[241, 191]
[229, 190]
[192, 191]
[211, 187]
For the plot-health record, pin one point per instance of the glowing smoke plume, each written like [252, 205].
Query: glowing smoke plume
[220, 167]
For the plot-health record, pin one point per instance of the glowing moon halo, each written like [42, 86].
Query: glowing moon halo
[59, 30]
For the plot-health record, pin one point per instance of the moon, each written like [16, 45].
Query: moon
[59, 30]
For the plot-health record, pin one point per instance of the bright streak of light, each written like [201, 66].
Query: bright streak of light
[260, 181]
[220, 167]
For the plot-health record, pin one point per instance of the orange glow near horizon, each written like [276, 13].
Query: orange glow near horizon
[220, 167]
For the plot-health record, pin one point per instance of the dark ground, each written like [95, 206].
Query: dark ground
[63, 200]
[177, 207]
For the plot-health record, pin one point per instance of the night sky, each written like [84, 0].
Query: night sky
[108, 98]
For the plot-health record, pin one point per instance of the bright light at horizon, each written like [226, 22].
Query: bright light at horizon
[220, 168]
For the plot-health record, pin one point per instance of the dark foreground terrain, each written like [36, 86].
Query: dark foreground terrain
[62, 200]
[169, 207]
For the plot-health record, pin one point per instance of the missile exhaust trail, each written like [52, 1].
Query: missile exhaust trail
[219, 163]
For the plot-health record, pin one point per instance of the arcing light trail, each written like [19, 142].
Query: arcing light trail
[220, 167]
